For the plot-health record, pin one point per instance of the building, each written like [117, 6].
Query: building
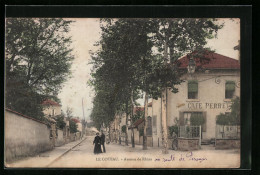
[207, 92]
[51, 108]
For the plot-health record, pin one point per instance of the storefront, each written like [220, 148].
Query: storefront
[204, 94]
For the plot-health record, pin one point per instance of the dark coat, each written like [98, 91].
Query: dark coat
[97, 142]
[103, 138]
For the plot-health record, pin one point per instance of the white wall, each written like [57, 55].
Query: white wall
[48, 110]
[60, 138]
[211, 96]
[24, 137]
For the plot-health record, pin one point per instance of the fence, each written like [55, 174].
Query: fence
[227, 131]
[189, 131]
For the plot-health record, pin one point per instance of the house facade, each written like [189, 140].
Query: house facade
[206, 93]
[51, 108]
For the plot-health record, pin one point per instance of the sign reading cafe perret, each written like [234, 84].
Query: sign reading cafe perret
[194, 105]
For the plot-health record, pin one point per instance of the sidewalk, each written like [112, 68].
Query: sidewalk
[46, 158]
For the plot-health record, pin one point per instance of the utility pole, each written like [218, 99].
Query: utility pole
[83, 124]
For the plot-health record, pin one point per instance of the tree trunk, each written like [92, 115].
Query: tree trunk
[164, 103]
[145, 121]
[120, 117]
[164, 123]
[126, 124]
[132, 124]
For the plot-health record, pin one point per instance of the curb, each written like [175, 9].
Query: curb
[65, 152]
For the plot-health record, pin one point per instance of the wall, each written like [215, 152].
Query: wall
[187, 144]
[24, 136]
[210, 91]
[156, 113]
[227, 144]
[60, 138]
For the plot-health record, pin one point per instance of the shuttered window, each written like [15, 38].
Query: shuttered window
[229, 89]
[192, 89]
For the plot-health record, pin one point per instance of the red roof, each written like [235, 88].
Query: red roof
[212, 61]
[138, 108]
[75, 120]
[138, 122]
[50, 102]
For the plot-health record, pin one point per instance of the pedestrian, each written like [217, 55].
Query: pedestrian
[97, 142]
[103, 141]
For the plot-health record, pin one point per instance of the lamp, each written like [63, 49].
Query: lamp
[191, 66]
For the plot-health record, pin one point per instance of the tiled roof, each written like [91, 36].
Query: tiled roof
[75, 120]
[138, 108]
[138, 122]
[50, 102]
[212, 61]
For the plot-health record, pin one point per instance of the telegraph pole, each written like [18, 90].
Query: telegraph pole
[83, 125]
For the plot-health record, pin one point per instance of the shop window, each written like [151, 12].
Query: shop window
[185, 118]
[193, 89]
[229, 89]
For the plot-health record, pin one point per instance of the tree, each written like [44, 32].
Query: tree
[73, 126]
[60, 121]
[232, 118]
[127, 60]
[38, 58]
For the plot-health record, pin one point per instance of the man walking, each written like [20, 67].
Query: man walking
[103, 139]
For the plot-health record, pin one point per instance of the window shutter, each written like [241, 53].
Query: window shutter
[193, 86]
[181, 118]
[230, 85]
[204, 126]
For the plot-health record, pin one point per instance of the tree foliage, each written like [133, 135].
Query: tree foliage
[131, 58]
[73, 126]
[232, 118]
[60, 121]
[38, 59]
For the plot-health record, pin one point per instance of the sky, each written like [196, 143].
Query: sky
[86, 32]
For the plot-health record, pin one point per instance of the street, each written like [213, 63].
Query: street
[119, 156]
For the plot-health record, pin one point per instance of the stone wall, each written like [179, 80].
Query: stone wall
[60, 138]
[24, 136]
[188, 144]
[149, 141]
[227, 144]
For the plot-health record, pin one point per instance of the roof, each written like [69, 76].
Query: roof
[138, 108]
[75, 120]
[138, 122]
[50, 102]
[211, 61]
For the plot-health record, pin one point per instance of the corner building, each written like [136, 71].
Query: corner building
[207, 92]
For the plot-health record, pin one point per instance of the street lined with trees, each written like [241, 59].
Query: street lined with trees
[136, 57]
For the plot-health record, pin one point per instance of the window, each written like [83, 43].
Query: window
[149, 126]
[185, 118]
[155, 124]
[229, 89]
[193, 89]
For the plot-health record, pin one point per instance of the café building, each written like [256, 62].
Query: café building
[206, 91]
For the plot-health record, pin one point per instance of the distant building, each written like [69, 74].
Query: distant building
[51, 108]
[78, 123]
